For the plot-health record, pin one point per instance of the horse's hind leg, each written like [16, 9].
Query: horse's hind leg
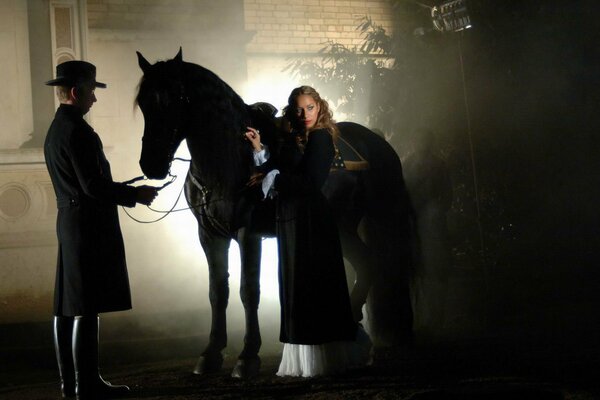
[248, 364]
[361, 258]
[216, 250]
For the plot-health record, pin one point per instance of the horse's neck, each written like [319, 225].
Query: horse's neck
[214, 129]
[218, 166]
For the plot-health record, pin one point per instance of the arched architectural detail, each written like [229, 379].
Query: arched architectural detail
[68, 29]
[15, 201]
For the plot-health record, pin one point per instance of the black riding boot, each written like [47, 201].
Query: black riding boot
[63, 337]
[90, 384]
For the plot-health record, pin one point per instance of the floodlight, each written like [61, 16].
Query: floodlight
[451, 16]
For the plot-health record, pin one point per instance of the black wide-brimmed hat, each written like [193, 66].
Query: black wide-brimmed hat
[73, 73]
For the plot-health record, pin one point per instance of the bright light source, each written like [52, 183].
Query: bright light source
[268, 91]
[268, 83]
[269, 284]
[269, 281]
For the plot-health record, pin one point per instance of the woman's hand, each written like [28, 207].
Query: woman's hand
[256, 179]
[254, 137]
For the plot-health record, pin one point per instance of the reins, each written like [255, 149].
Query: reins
[144, 178]
[172, 209]
[171, 180]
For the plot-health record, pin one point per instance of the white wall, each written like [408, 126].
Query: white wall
[16, 121]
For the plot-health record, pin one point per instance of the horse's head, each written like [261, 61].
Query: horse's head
[163, 101]
[182, 100]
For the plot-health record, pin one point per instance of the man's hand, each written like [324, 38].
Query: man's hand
[146, 194]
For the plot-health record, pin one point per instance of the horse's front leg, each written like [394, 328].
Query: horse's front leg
[216, 249]
[248, 364]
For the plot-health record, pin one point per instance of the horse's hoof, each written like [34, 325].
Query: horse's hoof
[246, 368]
[208, 364]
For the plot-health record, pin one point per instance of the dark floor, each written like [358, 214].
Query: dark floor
[484, 369]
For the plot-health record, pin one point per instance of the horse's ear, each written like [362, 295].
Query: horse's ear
[179, 56]
[142, 62]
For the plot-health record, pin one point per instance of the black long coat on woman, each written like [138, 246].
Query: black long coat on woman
[91, 275]
[315, 306]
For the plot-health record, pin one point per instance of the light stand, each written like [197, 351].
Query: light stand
[453, 17]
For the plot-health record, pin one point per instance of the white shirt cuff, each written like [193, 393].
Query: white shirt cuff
[267, 183]
[261, 156]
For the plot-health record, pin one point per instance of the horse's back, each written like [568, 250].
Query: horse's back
[369, 144]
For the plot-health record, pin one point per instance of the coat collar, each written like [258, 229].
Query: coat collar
[69, 110]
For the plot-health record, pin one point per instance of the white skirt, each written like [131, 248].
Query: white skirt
[325, 359]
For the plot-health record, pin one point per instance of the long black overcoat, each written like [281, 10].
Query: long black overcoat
[91, 275]
[315, 305]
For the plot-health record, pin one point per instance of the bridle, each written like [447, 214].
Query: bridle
[175, 137]
[174, 134]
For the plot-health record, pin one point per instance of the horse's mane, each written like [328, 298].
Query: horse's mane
[214, 125]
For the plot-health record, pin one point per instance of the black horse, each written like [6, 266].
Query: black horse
[182, 100]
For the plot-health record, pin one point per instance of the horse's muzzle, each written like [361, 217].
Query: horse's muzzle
[153, 169]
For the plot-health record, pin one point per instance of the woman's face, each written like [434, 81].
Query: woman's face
[307, 110]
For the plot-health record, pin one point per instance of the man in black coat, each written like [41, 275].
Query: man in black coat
[91, 275]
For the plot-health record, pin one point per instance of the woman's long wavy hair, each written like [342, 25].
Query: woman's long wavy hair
[324, 119]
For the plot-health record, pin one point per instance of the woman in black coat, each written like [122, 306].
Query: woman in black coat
[317, 327]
